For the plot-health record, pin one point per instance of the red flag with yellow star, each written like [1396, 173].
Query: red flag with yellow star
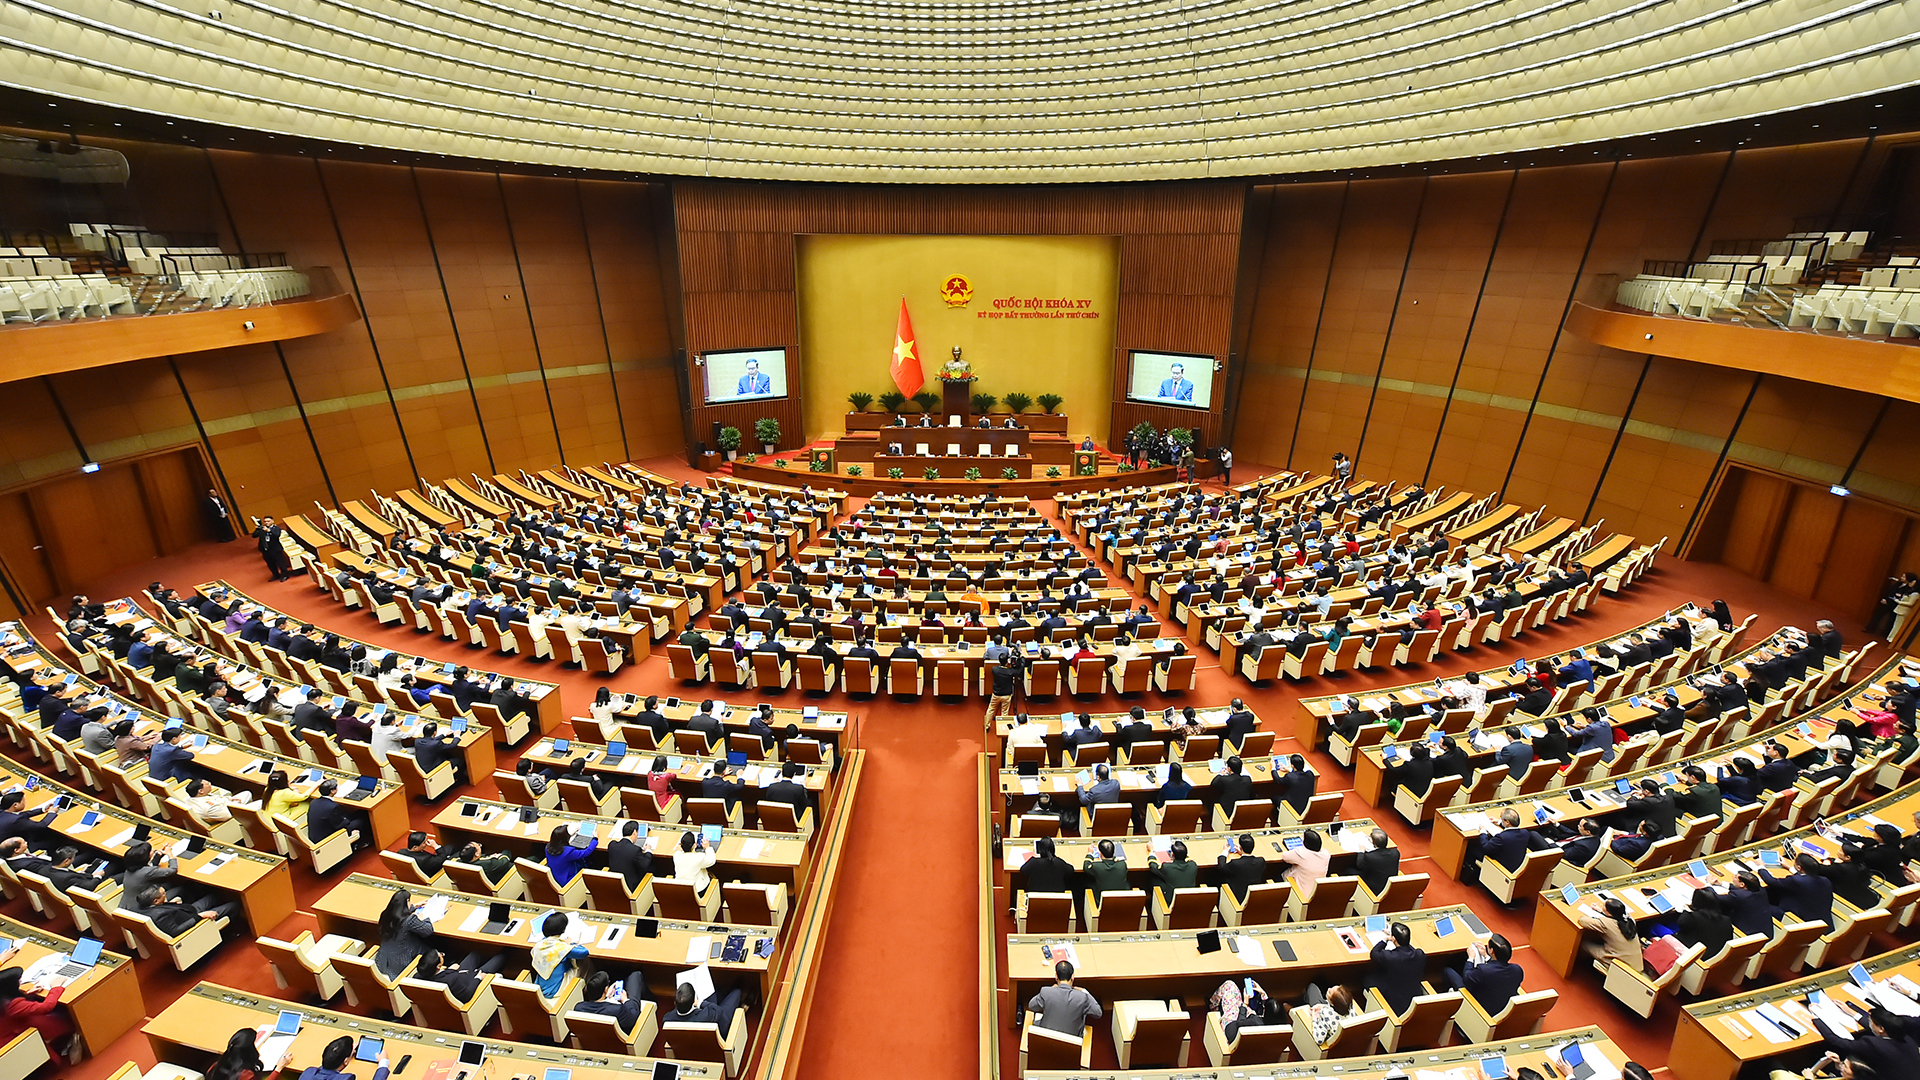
[906, 356]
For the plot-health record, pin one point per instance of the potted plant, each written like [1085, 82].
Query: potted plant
[1143, 434]
[983, 402]
[783, 462]
[931, 473]
[1181, 436]
[895, 474]
[730, 441]
[1089, 469]
[1053, 472]
[892, 400]
[1018, 401]
[819, 465]
[1010, 473]
[1049, 402]
[1124, 466]
[926, 399]
[972, 474]
[859, 399]
[748, 459]
[855, 470]
[767, 431]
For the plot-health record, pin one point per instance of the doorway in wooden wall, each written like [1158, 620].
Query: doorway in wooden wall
[60, 532]
[1803, 539]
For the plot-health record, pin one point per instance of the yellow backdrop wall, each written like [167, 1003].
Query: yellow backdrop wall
[850, 290]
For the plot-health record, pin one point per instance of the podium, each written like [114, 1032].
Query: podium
[819, 454]
[1085, 462]
[956, 398]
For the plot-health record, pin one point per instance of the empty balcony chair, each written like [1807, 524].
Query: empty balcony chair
[906, 677]
[1176, 816]
[1265, 904]
[1117, 911]
[1186, 909]
[1043, 913]
[770, 672]
[1424, 1024]
[1782, 956]
[1106, 819]
[680, 900]
[303, 968]
[1245, 816]
[1403, 893]
[1355, 1037]
[367, 988]
[1848, 939]
[714, 812]
[724, 1043]
[1418, 809]
[860, 677]
[1522, 1016]
[1250, 1043]
[525, 1011]
[951, 679]
[754, 904]
[436, 1006]
[1320, 810]
[1151, 1034]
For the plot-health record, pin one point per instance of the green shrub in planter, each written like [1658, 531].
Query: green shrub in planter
[817, 466]
[767, 430]
[729, 439]
[926, 399]
[1089, 469]
[1018, 401]
[892, 400]
[931, 473]
[1180, 435]
[859, 399]
[1053, 472]
[855, 470]
[749, 458]
[894, 474]
[1124, 467]
[972, 474]
[1010, 473]
[1049, 402]
[983, 402]
[783, 463]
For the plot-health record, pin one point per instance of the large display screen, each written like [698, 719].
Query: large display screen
[1171, 379]
[746, 375]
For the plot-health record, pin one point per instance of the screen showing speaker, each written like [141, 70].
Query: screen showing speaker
[1171, 379]
[746, 375]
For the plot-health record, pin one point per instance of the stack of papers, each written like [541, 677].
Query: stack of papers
[1249, 951]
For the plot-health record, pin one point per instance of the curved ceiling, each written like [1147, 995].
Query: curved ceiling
[971, 91]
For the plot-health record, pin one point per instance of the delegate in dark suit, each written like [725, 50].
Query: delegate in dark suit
[1397, 972]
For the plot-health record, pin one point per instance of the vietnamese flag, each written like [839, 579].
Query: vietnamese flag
[906, 356]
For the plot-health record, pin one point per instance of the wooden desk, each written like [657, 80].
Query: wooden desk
[1556, 933]
[1165, 963]
[518, 490]
[1202, 847]
[1542, 537]
[830, 728]
[104, 1003]
[262, 882]
[1213, 721]
[1439, 511]
[1137, 784]
[1530, 1051]
[952, 466]
[368, 521]
[316, 540]
[782, 858]
[631, 771]
[1707, 1047]
[1486, 525]
[193, 1031]
[352, 909]
[474, 500]
[1604, 554]
[579, 492]
[419, 505]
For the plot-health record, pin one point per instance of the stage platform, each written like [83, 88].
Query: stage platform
[1043, 487]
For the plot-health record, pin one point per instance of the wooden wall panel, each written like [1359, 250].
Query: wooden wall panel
[1179, 254]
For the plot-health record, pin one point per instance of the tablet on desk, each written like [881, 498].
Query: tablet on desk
[560, 745]
[288, 1023]
[1444, 927]
[369, 1048]
[1494, 1067]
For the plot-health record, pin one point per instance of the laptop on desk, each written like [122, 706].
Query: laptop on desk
[499, 917]
[86, 953]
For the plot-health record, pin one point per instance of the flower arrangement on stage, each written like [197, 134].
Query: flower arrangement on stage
[956, 370]
[961, 376]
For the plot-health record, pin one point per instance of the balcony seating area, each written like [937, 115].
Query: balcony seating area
[103, 270]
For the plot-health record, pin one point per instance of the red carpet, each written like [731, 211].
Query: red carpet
[900, 983]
